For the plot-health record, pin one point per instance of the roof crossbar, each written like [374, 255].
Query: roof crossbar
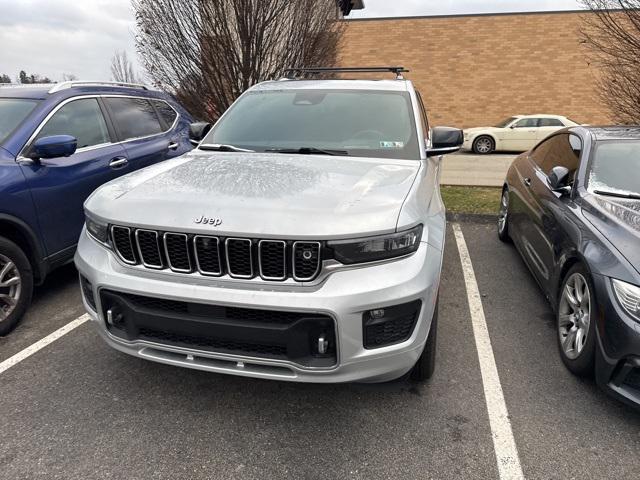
[76, 83]
[293, 73]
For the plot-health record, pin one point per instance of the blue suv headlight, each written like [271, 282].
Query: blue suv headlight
[373, 249]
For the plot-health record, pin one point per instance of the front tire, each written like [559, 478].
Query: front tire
[16, 285]
[575, 322]
[503, 217]
[484, 145]
[426, 364]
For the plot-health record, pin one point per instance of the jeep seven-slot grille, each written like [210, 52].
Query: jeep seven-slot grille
[273, 260]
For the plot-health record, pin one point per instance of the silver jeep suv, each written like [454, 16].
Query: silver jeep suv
[302, 240]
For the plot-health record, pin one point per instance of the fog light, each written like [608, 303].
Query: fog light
[389, 325]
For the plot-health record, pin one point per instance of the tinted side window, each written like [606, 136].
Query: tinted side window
[527, 123]
[81, 119]
[167, 113]
[133, 117]
[559, 151]
[550, 122]
[540, 153]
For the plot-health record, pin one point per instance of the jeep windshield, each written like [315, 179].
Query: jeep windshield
[360, 123]
[12, 112]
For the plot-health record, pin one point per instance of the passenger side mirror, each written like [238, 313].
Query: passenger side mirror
[445, 140]
[53, 147]
[197, 131]
[558, 179]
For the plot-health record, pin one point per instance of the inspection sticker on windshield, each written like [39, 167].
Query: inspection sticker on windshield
[391, 144]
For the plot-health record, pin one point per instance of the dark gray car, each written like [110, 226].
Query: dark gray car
[572, 208]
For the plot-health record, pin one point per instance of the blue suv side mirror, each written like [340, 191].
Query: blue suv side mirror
[54, 146]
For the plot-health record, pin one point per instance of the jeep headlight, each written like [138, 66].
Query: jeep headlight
[373, 249]
[99, 231]
[628, 296]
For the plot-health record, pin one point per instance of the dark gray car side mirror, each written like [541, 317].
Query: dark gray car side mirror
[558, 179]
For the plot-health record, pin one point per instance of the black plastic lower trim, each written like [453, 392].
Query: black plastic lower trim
[394, 325]
[290, 336]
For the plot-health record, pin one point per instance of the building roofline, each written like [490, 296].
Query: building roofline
[463, 15]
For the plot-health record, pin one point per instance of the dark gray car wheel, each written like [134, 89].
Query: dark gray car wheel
[503, 216]
[576, 321]
[426, 364]
[16, 285]
[484, 145]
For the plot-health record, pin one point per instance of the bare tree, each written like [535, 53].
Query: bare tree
[122, 68]
[207, 52]
[69, 77]
[612, 31]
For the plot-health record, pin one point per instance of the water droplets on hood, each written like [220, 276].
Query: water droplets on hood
[237, 175]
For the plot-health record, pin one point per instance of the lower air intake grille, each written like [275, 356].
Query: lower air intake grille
[279, 335]
[387, 326]
[211, 343]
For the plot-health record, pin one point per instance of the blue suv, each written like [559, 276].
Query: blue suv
[57, 144]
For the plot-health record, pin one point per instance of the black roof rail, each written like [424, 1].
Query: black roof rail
[293, 73]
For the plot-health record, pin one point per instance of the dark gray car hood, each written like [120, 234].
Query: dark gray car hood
[619, 221]
[262, 195]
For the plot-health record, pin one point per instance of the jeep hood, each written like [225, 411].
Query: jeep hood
[618, 220]
[261, 195]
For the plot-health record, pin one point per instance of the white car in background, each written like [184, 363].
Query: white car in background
[515, 134]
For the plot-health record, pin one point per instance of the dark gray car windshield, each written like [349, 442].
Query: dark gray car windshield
[358, 122]
[615, 167]
[12, 112]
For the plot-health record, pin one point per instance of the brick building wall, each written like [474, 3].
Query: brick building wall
[475, 70]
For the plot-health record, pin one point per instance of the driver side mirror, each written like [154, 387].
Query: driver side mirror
[54, 146]
[445, 140]
[558, 179]
[197, 131]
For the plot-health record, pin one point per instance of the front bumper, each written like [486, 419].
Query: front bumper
[344, 296]
[618, 352]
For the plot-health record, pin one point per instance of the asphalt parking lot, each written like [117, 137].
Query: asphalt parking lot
[79, 410]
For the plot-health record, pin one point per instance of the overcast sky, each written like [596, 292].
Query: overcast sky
[52, 37]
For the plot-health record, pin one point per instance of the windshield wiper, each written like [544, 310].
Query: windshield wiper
[633, 196]
[219, 147]
[308, 151]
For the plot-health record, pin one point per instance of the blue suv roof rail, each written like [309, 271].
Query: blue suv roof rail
[75, 83]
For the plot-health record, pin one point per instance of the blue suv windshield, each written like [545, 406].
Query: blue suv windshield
[12, 112]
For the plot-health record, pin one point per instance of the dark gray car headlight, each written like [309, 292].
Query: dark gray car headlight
[372, 249]
[628, 296]
[99, 231]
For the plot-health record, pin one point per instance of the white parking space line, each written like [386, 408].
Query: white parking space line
[40, 344]
[503, 442]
